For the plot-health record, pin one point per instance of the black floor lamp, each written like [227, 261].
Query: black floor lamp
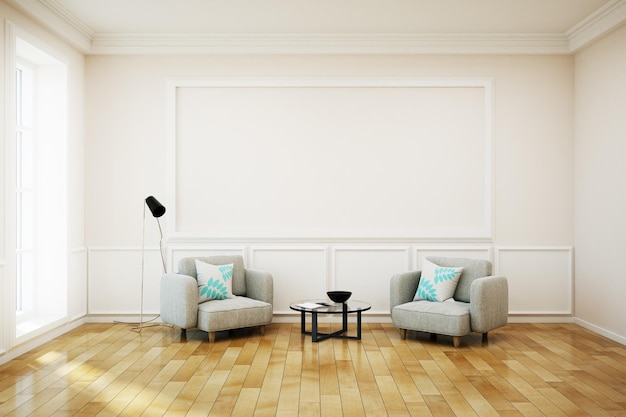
[157, 209]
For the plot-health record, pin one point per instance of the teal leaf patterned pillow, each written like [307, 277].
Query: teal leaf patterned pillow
[215, 282]
[437, 283]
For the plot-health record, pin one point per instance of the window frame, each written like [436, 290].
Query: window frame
[24, 131]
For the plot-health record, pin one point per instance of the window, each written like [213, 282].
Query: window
[25, 170]
[40, 183]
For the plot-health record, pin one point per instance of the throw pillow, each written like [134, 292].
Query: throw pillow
[437, 283]
[215, 282]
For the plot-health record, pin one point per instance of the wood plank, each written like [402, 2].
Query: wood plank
[531, 369]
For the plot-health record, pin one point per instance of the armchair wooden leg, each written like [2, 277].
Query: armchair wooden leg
[183, 332]
[212, 337]
[485, 339]
[402, 334]
[262, 330]
[457, 341]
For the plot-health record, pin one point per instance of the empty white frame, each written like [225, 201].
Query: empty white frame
[331, 158]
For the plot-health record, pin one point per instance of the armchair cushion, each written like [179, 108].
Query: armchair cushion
[215, 282]
[187, 266]
[450, 318]
[233, 313]
[472, 269]
[437, 283]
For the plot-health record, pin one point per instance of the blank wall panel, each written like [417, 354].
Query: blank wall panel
[472, 253]
[77, 283]
[299, 273]
[115, 281]
[367, 271]
[540, 279]
[4, 294]
[331, 158]
[178, 253]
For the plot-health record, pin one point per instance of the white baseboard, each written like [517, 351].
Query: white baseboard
[294, 317]
[365, 318]
[123, 318]
[615, 337]
[531, 318]
[20, 349]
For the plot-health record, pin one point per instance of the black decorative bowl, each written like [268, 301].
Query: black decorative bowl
[339, 296]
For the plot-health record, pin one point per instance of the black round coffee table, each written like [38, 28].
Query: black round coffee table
[315, 307]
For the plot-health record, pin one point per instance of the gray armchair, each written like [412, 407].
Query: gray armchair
[251, 308]
[481, 302]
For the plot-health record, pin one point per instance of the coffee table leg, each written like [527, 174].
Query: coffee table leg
[345, 318]
[314, 326]
[358, 325]
[302, 322]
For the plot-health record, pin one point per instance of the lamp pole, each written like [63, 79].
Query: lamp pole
[157, 210]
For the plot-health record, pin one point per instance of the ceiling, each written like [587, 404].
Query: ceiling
[329, 16]
[192, 26]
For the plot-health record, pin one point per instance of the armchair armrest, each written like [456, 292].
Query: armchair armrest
[403, 287]
[260, 285]
[179, 300]
[489, 303]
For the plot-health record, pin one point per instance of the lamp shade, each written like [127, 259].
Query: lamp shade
[155, 207]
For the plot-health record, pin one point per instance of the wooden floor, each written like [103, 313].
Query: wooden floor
[109, 370]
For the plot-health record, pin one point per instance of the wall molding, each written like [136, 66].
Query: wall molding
[337, 279]
[174, 252]
[417, 250]
[52, 16]
[284, 287]
[252, 250]
[602, 21]
[120, 248]
[326, 270]
[568, 287]
[182, 239]
[488, 203]
[329, 43]
[332, 283]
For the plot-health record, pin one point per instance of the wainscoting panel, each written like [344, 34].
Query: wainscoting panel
[77, 283]
[299, 273]
[540, 279]
[478, 252]
[115, 280]
[366, 272]
[4, 339]
[178, 253]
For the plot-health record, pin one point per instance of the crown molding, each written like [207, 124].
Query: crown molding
[606, 18]
[340, 43]
[68, 17]
[59, 20]
[52, 16]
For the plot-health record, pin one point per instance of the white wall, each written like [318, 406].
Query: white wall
[127, 159]
[76, 251]
[600, 221]
[331, 158]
